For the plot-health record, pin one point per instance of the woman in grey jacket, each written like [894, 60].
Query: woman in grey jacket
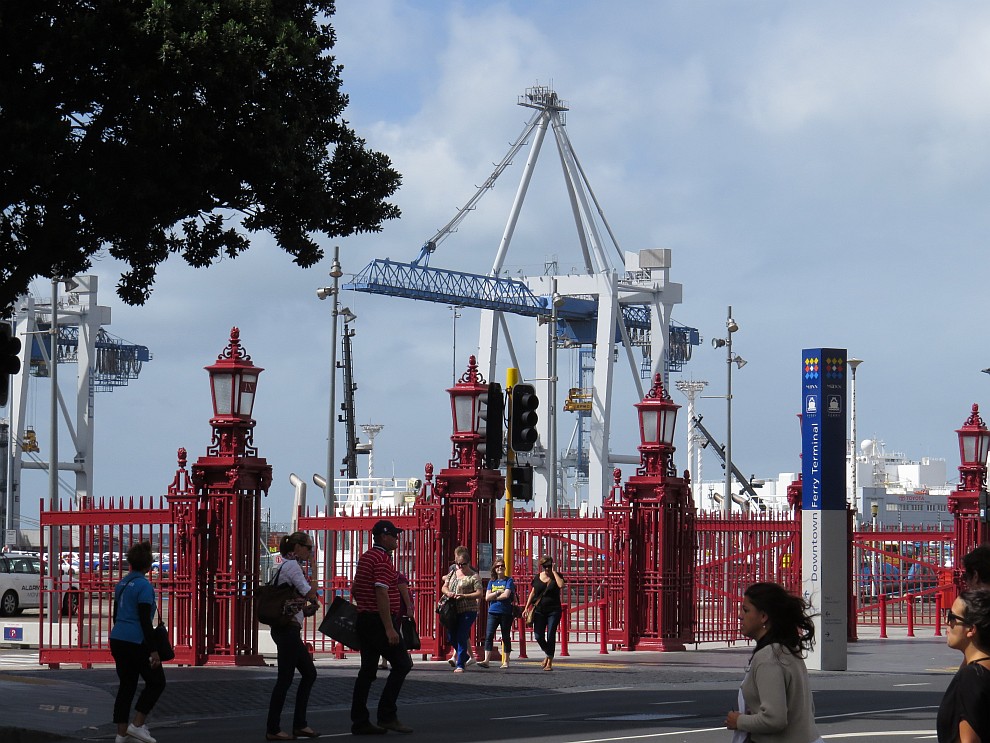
[775, 704]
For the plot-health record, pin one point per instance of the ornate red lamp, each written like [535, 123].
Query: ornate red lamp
[974, 441]
[657, 418]
[233, 383]
[465, 405]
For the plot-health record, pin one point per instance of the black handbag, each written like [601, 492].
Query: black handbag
[447, 612]
[276, 603]
[340, 623]
[410, 635]
[162, 643]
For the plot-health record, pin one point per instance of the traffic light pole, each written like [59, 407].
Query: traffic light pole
[508, 554]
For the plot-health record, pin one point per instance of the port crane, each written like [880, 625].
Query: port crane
[601, 308]
[103, 363]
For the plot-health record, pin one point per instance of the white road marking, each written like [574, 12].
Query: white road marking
[680, 701]
[881, 733]
[590, 691]
[644, 737]
[920, 683]
[521, 717]
[872, 712]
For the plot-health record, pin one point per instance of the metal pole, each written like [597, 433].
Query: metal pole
[335, 273]
[552, 402]
[727, 495]
[53, 455]
[853, 364]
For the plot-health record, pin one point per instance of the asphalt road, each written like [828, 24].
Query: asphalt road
[891, 691]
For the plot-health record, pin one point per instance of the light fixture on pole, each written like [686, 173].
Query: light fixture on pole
[854, 452]
[455, 315]
[731, 326]
[323, 293]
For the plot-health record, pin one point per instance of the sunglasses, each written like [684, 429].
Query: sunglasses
[952, 619]
[461, 564]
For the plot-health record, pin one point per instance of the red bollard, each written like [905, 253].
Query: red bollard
[883, 617]
[938, 614]
[565, 624]
[338, 650]
[910, 615]
[602, 629]
[521, 623]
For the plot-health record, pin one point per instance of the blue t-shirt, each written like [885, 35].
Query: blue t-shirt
[502, 606]
[130, 592]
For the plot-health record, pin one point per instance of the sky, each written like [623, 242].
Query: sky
[819, 167]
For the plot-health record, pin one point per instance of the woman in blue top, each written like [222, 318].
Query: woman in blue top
[133, 649]
[500, 597]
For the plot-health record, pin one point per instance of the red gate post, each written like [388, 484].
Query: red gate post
[617, 608]
[467, 492]
[964, 501]
[662, 533]
[228, 483]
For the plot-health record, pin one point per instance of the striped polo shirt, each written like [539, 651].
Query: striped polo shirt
[375, 568]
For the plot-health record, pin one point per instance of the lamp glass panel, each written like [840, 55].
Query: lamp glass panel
[667, 425]
[967, 442]
[464, 413]
[223, 383]
[249, 384]
[648, 424]
[981, 455]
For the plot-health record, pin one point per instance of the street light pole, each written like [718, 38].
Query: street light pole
[335, 274]
[730, 327]
[854, 458]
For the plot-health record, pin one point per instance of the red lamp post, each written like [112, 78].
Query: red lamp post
[465, 406]
[660, 600]
[965, 501]
[217, 512]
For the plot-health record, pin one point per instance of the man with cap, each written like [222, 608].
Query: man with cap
[375, 590]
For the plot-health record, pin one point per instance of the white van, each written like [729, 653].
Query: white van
[20, 583]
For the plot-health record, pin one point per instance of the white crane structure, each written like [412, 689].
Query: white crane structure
[102, 364]
[618, 302]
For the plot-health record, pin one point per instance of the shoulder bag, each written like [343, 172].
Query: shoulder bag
[340, 623]
[410, 635]
[447, 608]
[532, 609]
[275, 603]
[162, 642]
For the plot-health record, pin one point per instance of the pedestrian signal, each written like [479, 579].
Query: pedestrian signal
[523, 417]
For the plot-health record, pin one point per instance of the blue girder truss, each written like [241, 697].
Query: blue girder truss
[443, 286]
[117, 361]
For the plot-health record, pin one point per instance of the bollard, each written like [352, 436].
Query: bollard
[521, 623]
[938, 614]
[564, 629]
[883, 617]
[311, 649]
[910, 615]
[602, 629]
[338, 650]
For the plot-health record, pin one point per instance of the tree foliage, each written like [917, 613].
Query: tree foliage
[146, 128]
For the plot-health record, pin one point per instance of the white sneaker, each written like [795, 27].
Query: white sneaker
[471, 660]
[120, 739]
[140, 733]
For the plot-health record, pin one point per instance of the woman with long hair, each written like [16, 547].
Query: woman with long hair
[500, 597]
[133, 647]
[775, 704]
[292, 653]
[463, 585]
[544, 600]
[964, 714]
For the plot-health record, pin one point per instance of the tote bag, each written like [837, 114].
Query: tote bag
[340, 623]
[271, 599]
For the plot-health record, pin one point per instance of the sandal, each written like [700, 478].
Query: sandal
[278, 736]
[306, 732]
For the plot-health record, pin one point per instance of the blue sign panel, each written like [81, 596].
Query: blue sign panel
[823, 429]
[13, 634]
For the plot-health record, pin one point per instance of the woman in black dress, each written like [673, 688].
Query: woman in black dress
[964, 714]
[544, 600]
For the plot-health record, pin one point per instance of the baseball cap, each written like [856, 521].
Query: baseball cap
[385, 527]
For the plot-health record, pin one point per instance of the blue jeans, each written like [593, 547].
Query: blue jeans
[545, 628]
[460, 637]
[503, 622]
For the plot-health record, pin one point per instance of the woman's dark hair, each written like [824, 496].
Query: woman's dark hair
[494, 571]
[545, 561]
[289, 541]
[788, 622]
[139, 557]
[977, 614]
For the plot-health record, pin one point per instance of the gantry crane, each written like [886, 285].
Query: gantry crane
[600, 308]
[103, 363]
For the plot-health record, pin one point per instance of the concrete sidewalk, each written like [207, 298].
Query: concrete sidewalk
[72, 703]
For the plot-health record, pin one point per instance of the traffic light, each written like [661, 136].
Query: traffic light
[523, 417]
[521, 485]
[10, 363]
[490, 426]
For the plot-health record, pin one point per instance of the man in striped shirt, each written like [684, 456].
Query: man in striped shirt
[375, 590]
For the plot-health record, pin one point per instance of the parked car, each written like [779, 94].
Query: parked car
[920, 577]
[20, 584]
